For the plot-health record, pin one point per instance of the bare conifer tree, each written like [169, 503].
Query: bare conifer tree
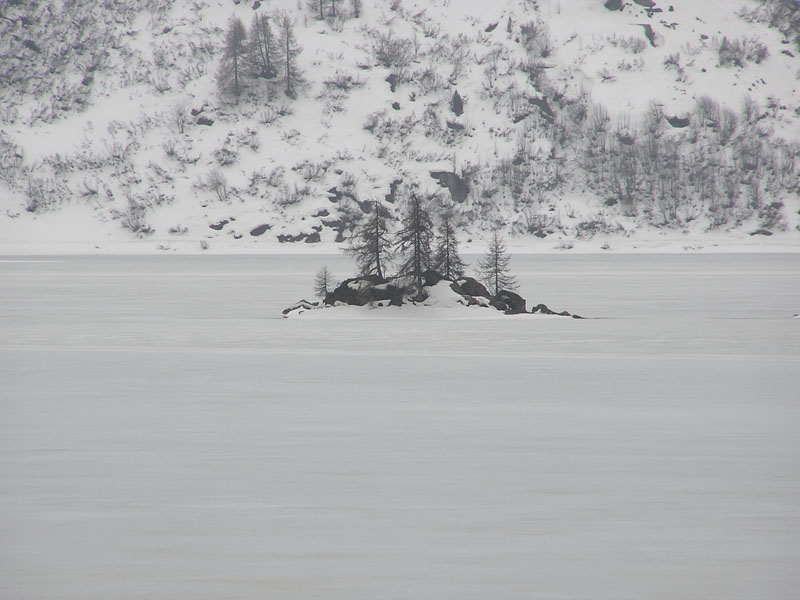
[414, 241]
[262, 48]
[447, 260]
[231, 69]
[289, 50]
[370, 245]
[494, 269]
[318, 8]
[323, 283]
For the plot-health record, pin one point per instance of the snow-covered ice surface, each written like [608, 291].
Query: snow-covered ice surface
[164, 433]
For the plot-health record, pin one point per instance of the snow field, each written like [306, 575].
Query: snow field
[166, 433]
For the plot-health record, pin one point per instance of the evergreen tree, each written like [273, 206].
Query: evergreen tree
[289, 50]
[414, 241]
[323, 283]
[262, 49]
[370, 244]
[231, 69]
[447, 260]
[493, 268]
[356, 8]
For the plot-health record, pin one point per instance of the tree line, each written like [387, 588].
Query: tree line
[260, 53]
[416, 249]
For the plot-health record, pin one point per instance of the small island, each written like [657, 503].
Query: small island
[430, 273]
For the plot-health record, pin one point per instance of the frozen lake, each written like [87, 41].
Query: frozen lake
[165, 434]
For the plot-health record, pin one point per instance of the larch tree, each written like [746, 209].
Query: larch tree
[370, 245]
[414, 240]
[318, 8]
[447, 261]
[262, 48]
[288, 51]
[494, 269]
[323, 283]
[232, 65]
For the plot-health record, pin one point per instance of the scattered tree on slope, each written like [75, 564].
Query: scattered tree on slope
[262, 47]
[289, 50]
[229, 76]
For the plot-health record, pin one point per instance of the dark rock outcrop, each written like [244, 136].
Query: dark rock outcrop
[678, 122]
[459, 190]
[260, 230]
[396, 291]
[467, 286]
[302, 304]
[510, 303]
[359, 291]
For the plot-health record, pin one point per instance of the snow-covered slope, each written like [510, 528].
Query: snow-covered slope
[579, 124]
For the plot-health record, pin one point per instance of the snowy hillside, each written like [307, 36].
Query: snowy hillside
[557, 122]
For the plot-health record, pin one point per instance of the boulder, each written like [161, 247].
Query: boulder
[301, 305]
[260, 230]
[509, 302]
[467, 286]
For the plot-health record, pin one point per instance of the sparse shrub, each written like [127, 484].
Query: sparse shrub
[134, 218]
[738, 51]
[390, 51]
[217, 182]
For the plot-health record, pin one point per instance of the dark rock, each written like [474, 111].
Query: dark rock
[303, 304]
[196, 111]
[544, 107]
[645, 3]
[260, 230]
[219, 225]
[431, 277]
[284, 238]
[491, 28]
[237, 236]
[467, 286]
[392, 81]
[542, 309]
[321, 213]
[513, 303]
[651, 35]
[358, 291]
[761, 232]
[390, 197]
[677, 122]
[339, 226]
[313, 238]
[205, 121]
[613, 4]
[396, 105]
[458, 187]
